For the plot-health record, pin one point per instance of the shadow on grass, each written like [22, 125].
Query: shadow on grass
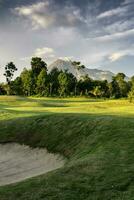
[64, 132]
[99, 148]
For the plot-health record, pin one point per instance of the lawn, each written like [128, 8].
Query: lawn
[95, 136]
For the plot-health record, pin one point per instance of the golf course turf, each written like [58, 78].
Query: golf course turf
[96, 137]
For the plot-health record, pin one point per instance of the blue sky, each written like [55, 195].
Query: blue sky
[100, 33]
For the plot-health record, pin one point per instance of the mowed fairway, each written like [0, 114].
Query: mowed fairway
[95, 136]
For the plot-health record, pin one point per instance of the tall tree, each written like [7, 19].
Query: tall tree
[67, 83]
[104, 88]
[72, 84]
[17, 86]
[2, 89]
[28, 83]
[42, 85]
[114, 89]
[131, 92]
[10, 68]
[122, 84]
[85, 85]
[63, 83]
[53, 81]
[37, 65]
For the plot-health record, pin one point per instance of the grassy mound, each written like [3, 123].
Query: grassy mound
[96, 137]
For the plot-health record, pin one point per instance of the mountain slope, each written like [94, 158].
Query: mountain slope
[95, 74]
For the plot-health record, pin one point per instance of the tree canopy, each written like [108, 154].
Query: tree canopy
[37, 81]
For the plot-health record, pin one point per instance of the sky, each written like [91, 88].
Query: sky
[99, 33]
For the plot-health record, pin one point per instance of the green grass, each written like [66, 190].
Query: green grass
[96, 137]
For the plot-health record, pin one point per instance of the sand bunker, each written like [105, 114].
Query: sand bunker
[19, 162]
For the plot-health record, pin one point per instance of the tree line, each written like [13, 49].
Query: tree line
[37, 81]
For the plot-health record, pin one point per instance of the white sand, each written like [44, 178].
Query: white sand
[19, 162]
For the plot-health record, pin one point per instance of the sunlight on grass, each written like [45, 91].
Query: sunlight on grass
[12, 107]
[95, 135]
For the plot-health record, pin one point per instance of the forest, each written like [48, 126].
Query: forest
[37, 81]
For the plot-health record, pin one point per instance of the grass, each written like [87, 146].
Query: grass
[96, 137]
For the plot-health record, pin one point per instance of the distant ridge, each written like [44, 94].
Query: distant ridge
[95, 74]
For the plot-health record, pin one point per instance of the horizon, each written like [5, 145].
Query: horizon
[100, 34]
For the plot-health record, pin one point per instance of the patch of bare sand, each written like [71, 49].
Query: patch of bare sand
[19, 162]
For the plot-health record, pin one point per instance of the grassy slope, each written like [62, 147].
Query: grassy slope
[96, 137]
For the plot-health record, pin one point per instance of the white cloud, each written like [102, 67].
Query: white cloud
[115, 56]
[118, 55]
[45, 13]
[116, 23]
[115, 36]
[36, 14]
[93, 59]
[127, 2]
[66, 27]
[45, 51]
[28, 10]
[112, 12]
[120, 26]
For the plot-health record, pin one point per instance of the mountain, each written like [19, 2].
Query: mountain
[95, 74]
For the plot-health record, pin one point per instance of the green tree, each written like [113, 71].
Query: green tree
[16, 86]
[63, 83]
[28, 83]
[37, 64]
[114, 89]
[72, 84]
[53, 81]
[97, 91]
[104, 88]
[122, 84]
[85, 85]
[10, 68]
[42, 85]
[2, 89]
[131, 96]
[131, 92]
[67, 83]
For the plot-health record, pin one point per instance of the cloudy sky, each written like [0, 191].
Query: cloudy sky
[100, 33]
